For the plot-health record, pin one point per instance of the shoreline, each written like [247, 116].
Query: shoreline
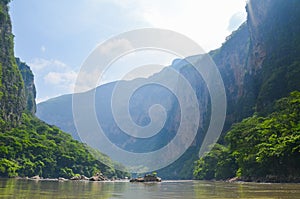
[64, 179]
[165, 181]
[268, 179]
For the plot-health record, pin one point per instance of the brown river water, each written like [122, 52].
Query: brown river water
[13, 188]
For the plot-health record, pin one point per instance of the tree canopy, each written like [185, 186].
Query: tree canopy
[259, 148]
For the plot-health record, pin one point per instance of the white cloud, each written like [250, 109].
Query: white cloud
[204, 21]
[39, 64]
[52, 78]
[61, 78]
[43, 49]
[115, 46]
[59, 75]
[87, 80]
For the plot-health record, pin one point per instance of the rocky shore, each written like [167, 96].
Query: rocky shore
[266, 179]
[146, 178]
[97, 177]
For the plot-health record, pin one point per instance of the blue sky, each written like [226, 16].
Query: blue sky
[55, 36]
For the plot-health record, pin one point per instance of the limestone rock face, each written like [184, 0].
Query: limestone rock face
[30, 91]
[12, 92]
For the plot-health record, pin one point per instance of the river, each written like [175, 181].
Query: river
[12, 188]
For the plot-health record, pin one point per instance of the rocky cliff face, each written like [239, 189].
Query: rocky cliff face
[274, 29]
[30, 92]
[231, 59]
[12, 93]
[260, 62]
[257, 13]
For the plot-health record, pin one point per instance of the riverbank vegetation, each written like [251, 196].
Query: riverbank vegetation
[260, 148]
[36, 148]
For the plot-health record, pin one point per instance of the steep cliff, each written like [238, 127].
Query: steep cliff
[30, 92]
[275, 55]
[264, 147]
[12, 93]
[231, 60]
[259, 62]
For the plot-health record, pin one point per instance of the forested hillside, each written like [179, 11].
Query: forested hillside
[259, 148]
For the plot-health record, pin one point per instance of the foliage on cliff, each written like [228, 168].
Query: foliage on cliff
[12, 94]
[30, 92]
[259, 148]
[29, 146]
[280, 70]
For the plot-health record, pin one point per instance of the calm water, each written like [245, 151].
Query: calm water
[11, 188]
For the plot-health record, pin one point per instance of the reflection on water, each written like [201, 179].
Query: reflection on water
[246, 190]
[11, 188]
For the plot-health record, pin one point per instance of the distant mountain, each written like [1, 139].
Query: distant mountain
[259, 64]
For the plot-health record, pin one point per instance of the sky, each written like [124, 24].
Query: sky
[54, 37]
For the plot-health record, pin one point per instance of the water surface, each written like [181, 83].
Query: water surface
[12, 188]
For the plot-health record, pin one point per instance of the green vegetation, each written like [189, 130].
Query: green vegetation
[35, 148]
[12, 94]
[259, 148]
[30, 92]
[181, 168]
[280, 70]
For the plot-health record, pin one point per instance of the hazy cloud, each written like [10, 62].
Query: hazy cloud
[115, 46]
[236, 20]
[43, 49]
[206, 22]
[52, 77]
[65, 80]
[40, 64]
